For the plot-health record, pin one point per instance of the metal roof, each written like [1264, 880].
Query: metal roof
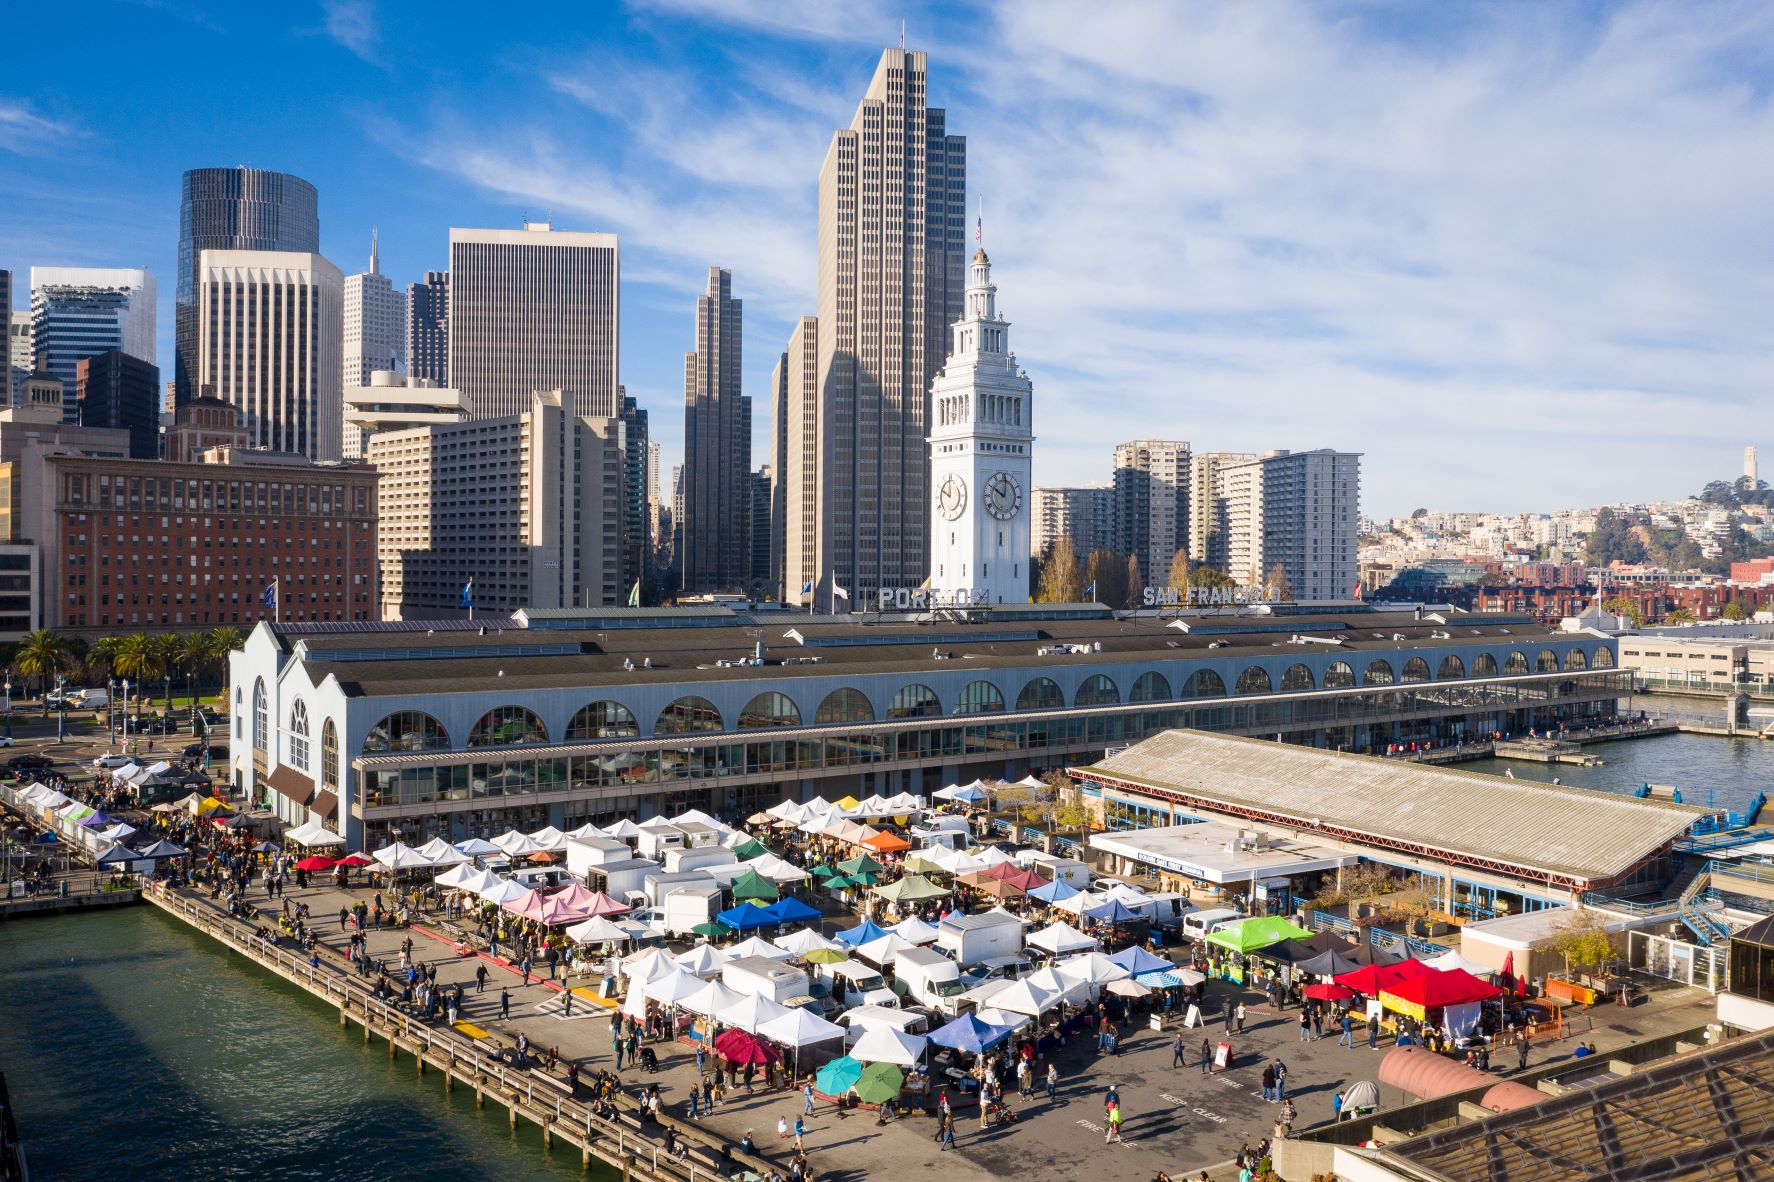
[1573, 835]
[1692, 1118]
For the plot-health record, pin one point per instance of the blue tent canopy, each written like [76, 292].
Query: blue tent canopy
[861, 934]
[747, 917]
[791, 910]
[969, 1033]
[1114, 911]
[1137, 960]
[1057, 891]
[967, 795]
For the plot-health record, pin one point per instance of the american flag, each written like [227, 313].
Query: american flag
[978, 228]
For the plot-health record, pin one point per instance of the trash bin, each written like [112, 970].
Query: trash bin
[64, 886]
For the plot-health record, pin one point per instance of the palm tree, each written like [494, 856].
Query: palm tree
[222, 641]
[101, 657]
[138, 658]
[42, 654]
[166, 650]
[192, 655]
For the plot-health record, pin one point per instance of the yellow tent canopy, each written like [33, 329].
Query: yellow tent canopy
[849, 802]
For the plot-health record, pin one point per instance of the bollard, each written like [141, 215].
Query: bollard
[391, 1046]
[480, 1097]
[585, 1158]
[514, 1112]
[342, 1022]
[449, 1082]
[547, 1133]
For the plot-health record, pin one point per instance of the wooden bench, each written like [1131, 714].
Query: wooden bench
[553, 1082]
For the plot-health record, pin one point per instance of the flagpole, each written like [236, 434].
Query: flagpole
[277, 599]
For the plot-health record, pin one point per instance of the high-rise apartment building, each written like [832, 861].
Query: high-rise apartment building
[1150, 504]
[6, 364]
[528, 507]
[771, 575]
[1081, 514]
[113, 389]
[1207, 539]
[654, 505]
[80, 311]
[428, 328]
[534, 309]
[375, 324]
[981, 448]
[762, 482]
[233, 209]
[892, 198]
[800, 470]
[637, 444]
[1296, 510]
[717, 446]
[20, 355]
[268, 344]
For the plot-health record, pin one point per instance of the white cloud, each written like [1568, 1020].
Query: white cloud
[353, 24]
[23, 130]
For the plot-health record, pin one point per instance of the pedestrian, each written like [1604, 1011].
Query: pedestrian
[1025, 1080]
[1241, 1016]
[1348, 1037]
[700, 1053]
[782, 1128]
[1337, 1107]
[1269, 1082]
[480, 978]
[1373, 1031]
[566, 1003]
[1280, 1080]
[1521, 1051]
[1206, 1057]
[947, 1131]
[1305, 1026]
[1114, 1132]
[1052, 1082]
[504, 1004]
[1176, 1051]
[525, 966]
[807, 1097]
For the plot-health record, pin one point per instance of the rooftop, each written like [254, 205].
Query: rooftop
[1211, 852]
[1574, 835]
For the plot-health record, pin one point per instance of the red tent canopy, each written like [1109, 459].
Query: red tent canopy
[1026, 880]
[1450, 988]
[736, 1046]
[317, 862]
[1370, 979]
[1001, 871]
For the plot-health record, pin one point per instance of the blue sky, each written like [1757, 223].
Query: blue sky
[1517, 254]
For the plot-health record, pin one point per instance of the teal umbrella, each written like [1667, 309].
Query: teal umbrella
[838, 1076]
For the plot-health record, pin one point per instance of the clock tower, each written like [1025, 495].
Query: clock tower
[981, 414]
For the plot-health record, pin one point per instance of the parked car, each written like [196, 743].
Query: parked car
[217, 752]
[107, 762]
[5, 740]
[29, 762]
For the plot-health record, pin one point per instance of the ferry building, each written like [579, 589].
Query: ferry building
[563, 716]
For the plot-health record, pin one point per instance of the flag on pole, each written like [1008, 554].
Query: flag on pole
[634, 594]
[1090, 593]
[807, 587]
[1356, 594]
[468, 594]
[269, 598]
[839, 592]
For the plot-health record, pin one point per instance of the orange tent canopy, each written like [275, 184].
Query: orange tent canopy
[886, 843]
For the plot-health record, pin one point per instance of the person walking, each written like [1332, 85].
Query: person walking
[701, 1051]
[566, 1003]
[1373, 1031]
[946, 1133]
[1052, 1082]
[1114, 1131]
[1176, 1051]
[504, 1004]
[524, 964]
[807, 1097]
[1348, 1037]
[1305, 1026]
[1241, 1016]
[1521, 1051]
[1206, 1057]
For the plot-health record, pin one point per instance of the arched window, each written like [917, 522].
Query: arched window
[1484, 665]
[1576, 660]
[1378, 673]
[979, 697]
[1338, 675]
[602, 720]
[914, 701]
[1604, 659]
[298, 738]
[1043, 693]
[844, 705]
[1547, 661]
[1204, 683]
[1416, 669]
[239, 714]
[688, 715]
[507, 726]
[1296, 677]
[409, 730]
[1254, 680]
[329, 755]
[1152, 686]
[768, 709]
[1097, 690]
[1515, 663]
[1451, 667]
[261, 716]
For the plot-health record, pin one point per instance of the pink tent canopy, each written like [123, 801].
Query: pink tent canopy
[599, 903]
[528, 905]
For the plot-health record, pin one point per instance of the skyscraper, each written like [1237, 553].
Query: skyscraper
[81, 311]
[268, 343]
[892, 197]
[799, 474]
[375, 328]
[6, 378]
[428, 328]
[762, 481]
[717, 446]
[1081, 514]
[1150, 503]
[534, 309]
[1295, 510]
[113, 389]
[1207, 539]
[637, 551]
[233, 209]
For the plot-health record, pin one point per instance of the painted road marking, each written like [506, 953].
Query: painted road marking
[1203, 1113]
[471, 1030]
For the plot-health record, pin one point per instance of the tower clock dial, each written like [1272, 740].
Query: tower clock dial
[1003, 496]
[951, 496]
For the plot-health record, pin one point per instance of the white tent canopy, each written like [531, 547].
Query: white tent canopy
[457, 876]
[800, 1027]
[776, 869]
[400, 856]
[881, 1044]
[596, 930]
[1453, 960]
[439, 852]
[916, 931]
[478, 847]
[1092, 968]
[758, 946]
[1023, 997]
[881, 949]
[750, 1012]
[705, 960]
[1060, 938]
[711, 999]
[805, 940]
[513, 844]
[1067, 989]
[648, 964]
[550, 839]
[585, 830]
[1079, 903]
[622, 830]
[502, 891]
[313, 835]
[670, 989]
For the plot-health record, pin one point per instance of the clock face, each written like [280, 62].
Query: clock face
[951, 497]
[1003, 496]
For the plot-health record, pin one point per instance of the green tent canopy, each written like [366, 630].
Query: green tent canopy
[838, 882]
[751, 848]
[1257, 932]
[909, 889]
[713, 930]
[824, 871]
[860, 864]
[752, 885]
[878, 1083]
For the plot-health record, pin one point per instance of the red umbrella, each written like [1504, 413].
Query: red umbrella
[355, 860]
[736, 1046]
[317, 862]
[1328, 992]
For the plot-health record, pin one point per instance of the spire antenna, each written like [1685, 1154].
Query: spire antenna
[375, 253]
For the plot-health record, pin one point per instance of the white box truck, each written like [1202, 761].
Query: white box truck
[620, 879]
[969, 939]
[684, 858]
[660, 885]
[765, 977]
[585, 852]
[930, 979]
[689, 906]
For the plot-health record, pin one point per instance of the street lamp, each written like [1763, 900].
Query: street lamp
[125, 716]
[9, 703]
[111, 707]
[61, 709]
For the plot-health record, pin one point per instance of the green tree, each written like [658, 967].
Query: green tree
[1582, 940]
[1209, 578]
[1136, 582]
[101, 656]
[1179, 570]
[1060, 579]
[1105, 572]
[191, 658]
[1735, 610]
[41, 655]
[1612, 540]
[1680, 615]
[138, 659]
[1621, 606]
